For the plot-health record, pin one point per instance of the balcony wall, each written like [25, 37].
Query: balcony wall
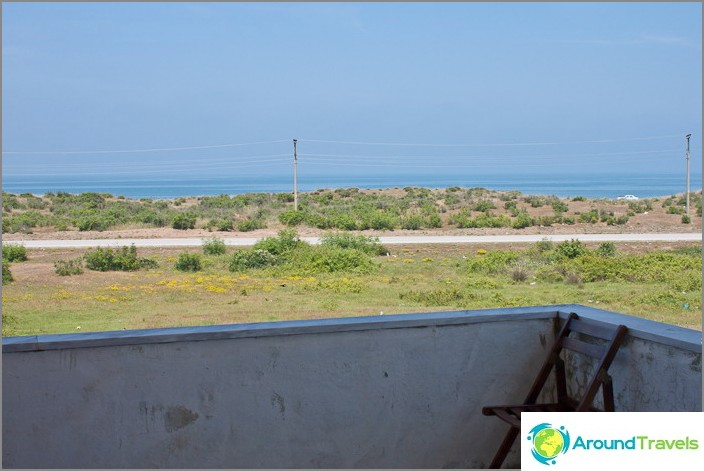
[375, 392]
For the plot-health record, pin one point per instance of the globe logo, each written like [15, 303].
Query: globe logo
[548, 442]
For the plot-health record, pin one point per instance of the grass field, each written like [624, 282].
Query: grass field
[656, 281]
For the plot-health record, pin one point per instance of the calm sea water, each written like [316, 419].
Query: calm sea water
[565, 185]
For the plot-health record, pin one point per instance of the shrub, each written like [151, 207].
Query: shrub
[326, 259]
[544, 245]
[559, 207]
[381, 221]
[14, 253]
[93, 221]
[6, 273]
[434, 221]
[545, 221]
[224, 225]
[579, 198]
[343, 221]
[571, 248]
[606, 249]
[68, 267]
[249, 225]
[188, 262]
[572, 278]
[214, 246]
[492, 262]
[122, 259]
[286, 240]
[483, 205]
[291, 217]
[368, 245]
[412, 222]
[686, 219]
[590, 217]
[250, 259]
[520, 272]
[621, 220]
[522, 220]
[184, 221]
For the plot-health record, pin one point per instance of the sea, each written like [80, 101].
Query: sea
[591, 185]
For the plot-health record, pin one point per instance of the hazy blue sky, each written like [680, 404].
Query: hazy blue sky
[123, 76]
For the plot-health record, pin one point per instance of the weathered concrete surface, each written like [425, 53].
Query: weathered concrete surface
[388, 392]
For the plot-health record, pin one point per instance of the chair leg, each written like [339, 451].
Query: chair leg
[504, 448]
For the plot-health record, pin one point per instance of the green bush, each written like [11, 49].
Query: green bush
[571, 248]
[686, 219]
[14, 253]
[122, 259]
[250, 225]
[343, 221]
[521, 221]
[251, 259]
[68, 267]
[412, 222]
[188, 262]
[559, 207]
[434, 221]
[544, 245]
[93, 220]
[6, 273]
[493, 262]
[327, 259]
[286, 240]
[184, 221]
[483, 205]
[589, 217]
[214, 246]
[606, 249]
[291, 217]
[381, 221]
[368, 245]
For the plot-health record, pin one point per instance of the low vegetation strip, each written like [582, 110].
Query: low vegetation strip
[344, 209]
[285, 278]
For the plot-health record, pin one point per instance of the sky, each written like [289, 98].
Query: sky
[184, 89]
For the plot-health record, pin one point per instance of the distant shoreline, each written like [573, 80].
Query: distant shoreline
[565, 185]
[365, 189]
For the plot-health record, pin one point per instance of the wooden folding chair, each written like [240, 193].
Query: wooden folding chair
[603, 352]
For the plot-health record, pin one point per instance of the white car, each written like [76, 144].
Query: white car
[627, 197]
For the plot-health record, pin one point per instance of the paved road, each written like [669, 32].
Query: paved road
[390, 240]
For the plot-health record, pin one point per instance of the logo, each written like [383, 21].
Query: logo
[548, 442]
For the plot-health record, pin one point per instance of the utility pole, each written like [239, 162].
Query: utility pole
[687, 137]
[295, 181]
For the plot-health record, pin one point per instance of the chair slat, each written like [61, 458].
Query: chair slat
[594, 330]
[594, 351]
[508, 418]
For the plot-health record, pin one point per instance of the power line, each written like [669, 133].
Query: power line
[219, 146]
[377, 157]
[128, 151]
[401, 144]
[191, 163]
[171, 168]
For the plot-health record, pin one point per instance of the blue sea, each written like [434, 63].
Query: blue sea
[596, 185]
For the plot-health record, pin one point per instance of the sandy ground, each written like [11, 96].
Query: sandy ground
[641, 223]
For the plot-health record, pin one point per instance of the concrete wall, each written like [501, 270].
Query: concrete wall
[382, 392]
